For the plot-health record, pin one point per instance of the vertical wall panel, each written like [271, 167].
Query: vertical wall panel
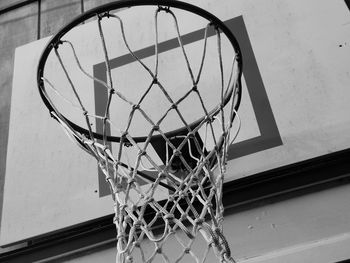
[88, 4]
[55, 14]
[17, 28]
[6, 3]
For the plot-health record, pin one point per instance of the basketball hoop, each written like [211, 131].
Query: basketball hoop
[195, 153]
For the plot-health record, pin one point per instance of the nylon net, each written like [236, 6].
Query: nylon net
[169, 212]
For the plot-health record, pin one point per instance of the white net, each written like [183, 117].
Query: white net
[170, 211]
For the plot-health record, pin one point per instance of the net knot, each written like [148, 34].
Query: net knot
[155, 127]
[124, 139]
[177, 152]
[169, 217]
[155, 80]
[138, 224]
[129, 259]
[150, 199]
[127, 219]
[164, 8]
[198, 221]
[134, 208]
[222, 105]
[183, 217]
[209, 119]
[216, 149]
[211, 23]
[195, 88]
[122, 207]
[59, 42]
[191, 135]
[142, 152]
[183, 194]
[135, 106]
[121, 236]
[119, 189]
[158, 214]
[162, 175]
[187, 250]
[195, 179]
[159, 250]
[106, 14]
[137, 244]
[131, 181]
[220, 218]
[85, 112]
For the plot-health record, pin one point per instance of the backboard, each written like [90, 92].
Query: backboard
[294, 105]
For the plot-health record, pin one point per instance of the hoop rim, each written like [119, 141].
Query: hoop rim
[103, 9]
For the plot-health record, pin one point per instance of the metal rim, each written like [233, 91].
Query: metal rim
[124, 4]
